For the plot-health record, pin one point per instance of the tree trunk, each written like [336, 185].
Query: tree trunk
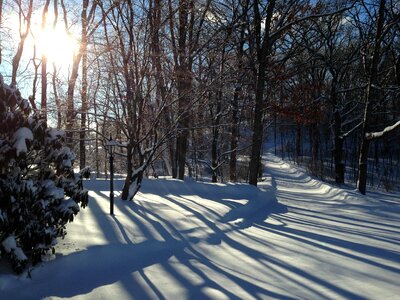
[23, 35]
[362, 167]
[56, 97]
[371, 97]
[70, 116]
[235, 101]
[214, 161]
[36, 65]
[257, 138]
[338, 158]
[298, 144]
[155, 28]
[234, 135]
[1, 19]
[315, 143]
[263, 50]
[43, 102]
[215, 138]
[337, 132]
[338, 149]
[181, 149]
[71, 113]
[183, 126]
[84, 97]
[184, 85]
[129, 173]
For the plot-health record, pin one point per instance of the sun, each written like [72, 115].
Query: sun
[53, 41]
[56, 45]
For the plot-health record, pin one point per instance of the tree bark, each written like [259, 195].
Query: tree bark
[315, 138]
[84, 97]
[264, 46]
[371, 96]
[128, 179]
[1, 19]
[43, 102]
[235, 117]
[234, 135]
[184, 85]
[71, 113]
[155, 28]
[215, 139]
[23, 35]
[257, 138]
[56, 97]
[338, 135]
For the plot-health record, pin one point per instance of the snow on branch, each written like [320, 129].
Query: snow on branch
[379, 134]
[20, 136]
[309, 17]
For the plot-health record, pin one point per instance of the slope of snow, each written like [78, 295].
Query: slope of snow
[292, 238]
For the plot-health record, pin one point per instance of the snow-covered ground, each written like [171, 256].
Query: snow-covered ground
[292, 238]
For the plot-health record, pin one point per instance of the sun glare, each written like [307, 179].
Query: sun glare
[56, 45]
[54, 42]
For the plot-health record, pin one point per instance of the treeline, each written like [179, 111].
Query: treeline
[184, 85]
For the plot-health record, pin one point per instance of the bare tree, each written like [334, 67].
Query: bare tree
[268, 28]
[373, 92]
[43, 101]
[185, 38]
[1, 20]
[84, 90]
[88, 26]
[24, 28]
[263, 46]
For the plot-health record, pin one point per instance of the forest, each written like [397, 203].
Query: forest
[200, 87]
[257, 141]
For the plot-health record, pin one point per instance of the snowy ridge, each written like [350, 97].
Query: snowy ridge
[293, 238]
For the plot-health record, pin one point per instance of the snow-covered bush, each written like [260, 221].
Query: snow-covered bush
[39, 192]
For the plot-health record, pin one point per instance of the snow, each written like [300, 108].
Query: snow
[111, 143]
[294, 237]
[51, 190]
[136, 184]
[19, 138]
[54, 133]
[378, 134]
[10, 245]
[67, 156]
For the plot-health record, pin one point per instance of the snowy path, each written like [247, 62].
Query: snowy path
[294, 238]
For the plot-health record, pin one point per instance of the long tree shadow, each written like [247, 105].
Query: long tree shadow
[218, 236]
[81, 272]
[221, 229]
[187, 259]
[249, 215]
[147, 217]
[336, 223]
[333, 219]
